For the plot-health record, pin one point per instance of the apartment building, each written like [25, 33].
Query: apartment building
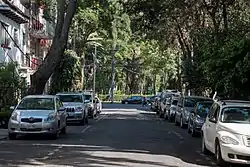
[28, 36]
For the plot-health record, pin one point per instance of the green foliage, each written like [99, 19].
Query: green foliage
[11, 85]
[67, 75]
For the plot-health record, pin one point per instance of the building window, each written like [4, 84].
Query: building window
[4, 37]
[16, 36]
[24, 39]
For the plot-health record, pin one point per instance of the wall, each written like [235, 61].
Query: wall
[14, 53]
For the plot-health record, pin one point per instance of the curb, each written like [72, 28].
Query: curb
[4, 137]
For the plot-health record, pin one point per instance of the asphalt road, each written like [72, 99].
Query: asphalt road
[123, 135]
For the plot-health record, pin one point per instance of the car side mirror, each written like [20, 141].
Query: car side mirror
[61, 109]
[12, 107]
[213, 120]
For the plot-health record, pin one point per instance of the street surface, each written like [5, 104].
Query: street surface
[123, 135]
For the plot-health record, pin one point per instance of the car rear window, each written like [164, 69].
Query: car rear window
[71, 98]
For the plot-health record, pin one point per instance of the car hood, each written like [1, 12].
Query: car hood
[34, 113]
[69, 104]
[238, 128]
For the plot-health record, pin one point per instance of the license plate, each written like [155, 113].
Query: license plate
[70, 114]
[31, 126]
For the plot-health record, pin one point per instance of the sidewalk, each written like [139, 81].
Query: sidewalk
[3, 134]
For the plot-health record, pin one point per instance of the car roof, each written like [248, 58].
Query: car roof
[69, 93]
[208, 101]
[40, 96]
[234, 103]
[196, 97]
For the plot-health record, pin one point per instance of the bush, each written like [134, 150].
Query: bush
[4, 119]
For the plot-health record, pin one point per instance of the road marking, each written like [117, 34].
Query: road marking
[85, 129]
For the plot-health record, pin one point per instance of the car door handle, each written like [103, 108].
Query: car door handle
[209, 125]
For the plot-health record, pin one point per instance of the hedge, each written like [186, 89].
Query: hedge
[4, 119]
[119, 97]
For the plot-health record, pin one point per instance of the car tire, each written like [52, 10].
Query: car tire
[176, 122]
[218, 157]
[126, 102]
[204, 149]
[181, 123]
[12, 136]
[64, 130]
[189, 130]
[82, 122]
[193, 132]
[56, 135]
[86, 120]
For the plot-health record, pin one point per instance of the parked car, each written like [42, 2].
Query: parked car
[98, 105]
[156, 104]
[38, 114]
[170, 114]
[133, 100]
[226, 132]
[197, 117]
[89, 102]
[75, 107]
[185, 105]
[165, 104]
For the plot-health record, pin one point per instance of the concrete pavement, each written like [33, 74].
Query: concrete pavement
[123, 135]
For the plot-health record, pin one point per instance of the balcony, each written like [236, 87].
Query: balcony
[43, 30]
[14, 10]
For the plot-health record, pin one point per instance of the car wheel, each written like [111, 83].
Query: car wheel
[86, 120]
[176, 122]
[56, 135]
[12, 136]
[193, 132]
[64, 130]
[181, 122]
[218, 156]
[126, 102]
[189, 130]
[204, 149]
[82, 122]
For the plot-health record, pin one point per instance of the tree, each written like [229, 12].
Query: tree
[67, 75]
[65, 12]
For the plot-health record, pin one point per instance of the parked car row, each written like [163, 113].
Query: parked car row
[49, 114]
[223, 125]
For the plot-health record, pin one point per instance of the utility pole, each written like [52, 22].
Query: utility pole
[113, 77]
[116, 48]
[94, 70]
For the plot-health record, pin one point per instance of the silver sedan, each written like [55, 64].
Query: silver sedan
[38, 114]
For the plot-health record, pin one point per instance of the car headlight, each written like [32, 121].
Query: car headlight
[79, 109]
[51, 117]
[229, 140]
[199, 121]
[14, 116]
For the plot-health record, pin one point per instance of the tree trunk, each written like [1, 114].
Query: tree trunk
[54, 56]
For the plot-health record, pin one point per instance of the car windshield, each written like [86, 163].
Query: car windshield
[87, 97]
[71, 98]
[191, 102]
[174, 102]
[203, 109]
[235, 115]
[37, 104]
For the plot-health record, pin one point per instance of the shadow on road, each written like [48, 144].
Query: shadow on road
[125, 140]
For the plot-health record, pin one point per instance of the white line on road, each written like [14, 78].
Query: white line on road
[178, 134]
[86, 128]
[89, 126]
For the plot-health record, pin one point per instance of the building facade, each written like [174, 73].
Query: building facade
[25, 36]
